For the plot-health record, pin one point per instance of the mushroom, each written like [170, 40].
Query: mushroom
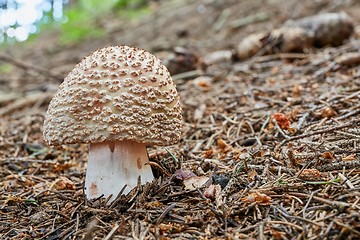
[119, 100]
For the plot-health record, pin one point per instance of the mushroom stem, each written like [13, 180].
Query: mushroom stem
[112, 165]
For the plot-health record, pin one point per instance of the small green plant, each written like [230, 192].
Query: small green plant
[281, 182]
[335, 180]
[172, 155]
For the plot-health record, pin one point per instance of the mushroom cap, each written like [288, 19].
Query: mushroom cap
[117, 93]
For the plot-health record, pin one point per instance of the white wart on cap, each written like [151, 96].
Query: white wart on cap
[118, 97]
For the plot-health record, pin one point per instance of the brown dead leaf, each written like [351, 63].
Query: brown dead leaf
[328, 112]
[292, 115]
[310, 174]
[63, 183]
[9, 184]
[212, 191]
[208, 153]
[15, 181]
[252, 174]
[79, 193]
[195, 182]
[276, 234]
[11, 198]
[350, 157]
[281, 120]
[328, 155]
[271, 80]
[221, 143]
[60, 167]
[224, 147]
[183, 174]
[203, 83]
[154, 204]
[260, 198]
[68, 207]
[297, 89]
[170, 227]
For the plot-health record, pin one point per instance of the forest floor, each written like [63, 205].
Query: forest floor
[275, 137]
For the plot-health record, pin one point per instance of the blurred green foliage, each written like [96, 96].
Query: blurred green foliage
[6, 68]
[84, 15]
[86, 18]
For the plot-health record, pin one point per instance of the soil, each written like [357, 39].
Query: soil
[275, 138]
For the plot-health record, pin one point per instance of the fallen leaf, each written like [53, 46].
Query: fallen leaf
[183, 174]
[79, 193]
[276, 234]
[297, 89]
[154, 204]
[208, 153]
[11, 198]
[60, 167]
[203, 83]
[9, 184]
[328, 155]
[167, 228]
[271, 80]
[195, 182]
[224, 147]
[252, 174]
[350, 157]
[310, 174]
[17, 180]
[63, 183]
[212, 191]
[328, 112]
[281, 120]
[259, 198]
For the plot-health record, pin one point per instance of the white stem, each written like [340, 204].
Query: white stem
[112, 165]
